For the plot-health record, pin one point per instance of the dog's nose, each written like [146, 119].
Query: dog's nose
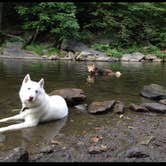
[30, 98]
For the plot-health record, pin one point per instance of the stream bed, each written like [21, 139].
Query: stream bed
[135, 136]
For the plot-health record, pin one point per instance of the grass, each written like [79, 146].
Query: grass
[42, 49]
[119, 51]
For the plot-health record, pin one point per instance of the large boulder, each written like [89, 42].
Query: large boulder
[73, 45]
[73, 96]
[155, 107]
[154, 91]
[134, 57]
[98, 107]
[14, 50]
[77, 46]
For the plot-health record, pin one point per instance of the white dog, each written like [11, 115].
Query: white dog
[37, 106]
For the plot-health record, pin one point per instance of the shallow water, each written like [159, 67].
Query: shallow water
[69, 74]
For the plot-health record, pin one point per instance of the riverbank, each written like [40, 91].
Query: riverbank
[78, 51]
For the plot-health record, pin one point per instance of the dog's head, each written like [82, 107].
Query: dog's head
[31, 92]
[91, 68]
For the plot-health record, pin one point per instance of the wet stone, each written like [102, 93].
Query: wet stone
[101, 107]
[155, 107]
[73, 96]
[19, 154]
[81, 107]
[163, 101]
[138, 108]
[154, 91]
[119, 107]
[2, 138]
[97, 149]
[47, 149]
[137, 152]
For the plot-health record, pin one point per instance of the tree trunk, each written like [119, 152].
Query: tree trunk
[1, 7]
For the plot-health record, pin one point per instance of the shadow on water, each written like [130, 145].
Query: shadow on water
[69, 74]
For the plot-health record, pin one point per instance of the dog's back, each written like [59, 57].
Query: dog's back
[93, 70]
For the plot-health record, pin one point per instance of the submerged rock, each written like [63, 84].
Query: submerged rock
[81, 107]
[101, 107]
[155, 107]
[154, 91]
[73, 96]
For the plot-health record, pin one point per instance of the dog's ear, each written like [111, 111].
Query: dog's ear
[27, 78]
[41, 82]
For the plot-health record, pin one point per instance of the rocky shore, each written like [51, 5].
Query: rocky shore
[76, 51]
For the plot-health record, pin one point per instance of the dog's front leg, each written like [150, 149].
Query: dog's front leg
[18, 126]
[16, 117]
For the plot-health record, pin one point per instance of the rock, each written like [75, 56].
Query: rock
[19, 154]
[2, 138]
[73, 96]
[100, 107]
[107, 59]
[53, 57]
[138, 108]
[47, 149]
[134, 57]
[154, 91]
[153, 58]
[92, 55]
[77, 46]
[163, 101]
[73, 45]
[81, 107]
[119, 107]
[14, 50]
[155, 107]
[137, 152]
[97, 149]
[44, 56]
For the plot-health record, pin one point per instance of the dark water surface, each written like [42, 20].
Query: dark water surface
[69, 74]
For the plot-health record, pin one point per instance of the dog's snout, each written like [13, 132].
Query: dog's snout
[30, 98]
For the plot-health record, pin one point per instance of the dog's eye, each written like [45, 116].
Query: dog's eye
[36, 91]
[29, 88]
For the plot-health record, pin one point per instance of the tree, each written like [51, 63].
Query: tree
[1, 10]
[55, 18]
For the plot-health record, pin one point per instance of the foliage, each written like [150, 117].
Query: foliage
[119, 51]
[126, 25]
[51, 17]
[42, 49]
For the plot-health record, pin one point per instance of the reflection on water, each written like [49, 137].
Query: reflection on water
[69, 74]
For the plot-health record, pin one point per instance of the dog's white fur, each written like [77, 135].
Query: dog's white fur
[40, 106]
